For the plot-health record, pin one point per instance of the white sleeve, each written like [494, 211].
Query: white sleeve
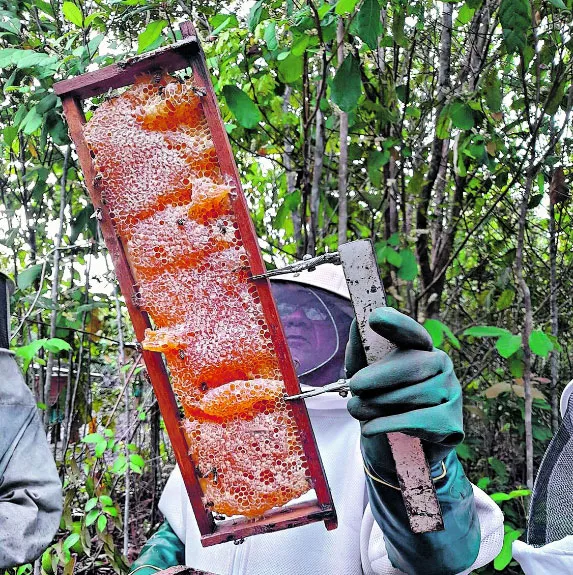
[170, 503]
[551, 559]
[375, 557]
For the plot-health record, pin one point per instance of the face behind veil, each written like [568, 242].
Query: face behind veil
[316, 325]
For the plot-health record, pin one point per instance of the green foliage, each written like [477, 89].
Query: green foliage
[438, 330]
[28, 352]
[149, 37]
[73, 13]
[367, 25]
[446, 246]
[243, 108]
[515, 19]
[540, 343]
[346, 86]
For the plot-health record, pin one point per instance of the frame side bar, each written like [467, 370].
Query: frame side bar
[153, 360]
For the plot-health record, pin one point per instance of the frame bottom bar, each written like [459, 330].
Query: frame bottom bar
[275, 520]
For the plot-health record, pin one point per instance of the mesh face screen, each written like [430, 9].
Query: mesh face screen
[4, 313]
[172, 209]
[551, 510]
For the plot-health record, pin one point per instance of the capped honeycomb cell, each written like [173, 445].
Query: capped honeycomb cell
[160, 181]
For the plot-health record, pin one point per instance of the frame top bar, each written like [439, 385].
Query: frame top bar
[169, 58]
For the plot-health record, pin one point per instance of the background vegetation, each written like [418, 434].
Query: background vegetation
[439, 129]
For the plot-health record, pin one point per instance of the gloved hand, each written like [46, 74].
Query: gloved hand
[413, 390]
[163, 550]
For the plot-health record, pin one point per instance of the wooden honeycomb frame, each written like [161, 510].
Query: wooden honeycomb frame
[188, 54]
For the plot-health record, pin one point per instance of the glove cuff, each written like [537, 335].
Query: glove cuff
[444, 552]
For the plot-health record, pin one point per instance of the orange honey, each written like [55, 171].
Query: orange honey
[160, 179]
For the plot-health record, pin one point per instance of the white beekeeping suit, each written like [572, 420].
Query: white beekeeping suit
[30, 489]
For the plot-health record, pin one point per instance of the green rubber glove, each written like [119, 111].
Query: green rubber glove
[413, 390]
[163, 550]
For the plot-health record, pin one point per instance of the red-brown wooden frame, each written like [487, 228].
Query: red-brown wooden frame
[184, 54]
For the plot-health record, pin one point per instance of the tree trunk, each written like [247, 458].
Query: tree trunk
[436, 162]
[56, 285]
[343, 157]
[291, 176]
[526, 331]
[554, 312]
[316, 173]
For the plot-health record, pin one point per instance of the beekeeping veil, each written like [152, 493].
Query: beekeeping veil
[551, 511]
[321, 301]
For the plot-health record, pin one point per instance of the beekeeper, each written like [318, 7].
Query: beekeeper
[548, 545]
[30, 489]
[413, 390]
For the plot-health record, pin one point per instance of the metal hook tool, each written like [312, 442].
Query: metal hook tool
[340, 386]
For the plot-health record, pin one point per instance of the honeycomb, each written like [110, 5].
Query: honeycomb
[171, 207]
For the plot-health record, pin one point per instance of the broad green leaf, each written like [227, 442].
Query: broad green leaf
[93, 438]
[26, 277]
[437, 330]
[7, 56]
[540, 343]
[508, 344]
[46, 103]
[290, 69]
[101, 523]
[221, 26]
[150, 34]
[106, 500]
[505, 299]
[300, 45]
[464, 451]
[515, 20]
[461, 115]
[119, 465]
[112, 511]
[346, 86]
[434, 328]
[256, 14]
[505, 556]
[493, 96]
[270, 36]
[91, 517]
[100, 448]
[71, 540]
[137, 459]
[28, 352]
[409, 268]
[376, 160]
[243, 108]
[558, 4]
[73, 13]
[486, 331]
[56, 345]
[324, 10]
[345, 6]
[444, 124]
[218, 20]
[465, 14]
[367, 24]
[29, 58]
[31, 122]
